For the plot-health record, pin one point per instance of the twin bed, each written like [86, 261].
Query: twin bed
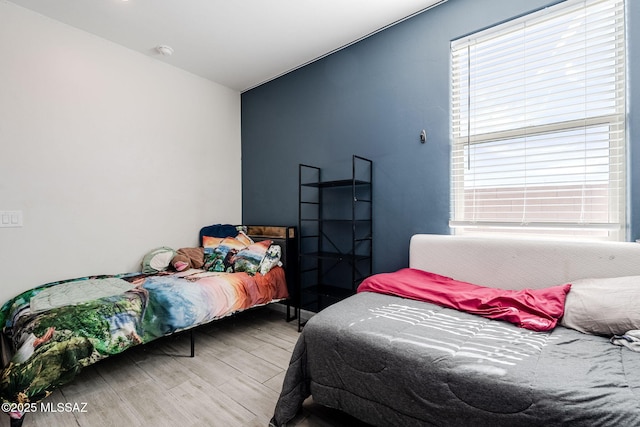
[51, 332]
[397, 361]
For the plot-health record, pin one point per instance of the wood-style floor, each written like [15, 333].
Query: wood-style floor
[234, 380]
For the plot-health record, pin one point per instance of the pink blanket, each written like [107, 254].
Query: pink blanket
[535, 309]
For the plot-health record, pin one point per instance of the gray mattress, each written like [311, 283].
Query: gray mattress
[390, 361]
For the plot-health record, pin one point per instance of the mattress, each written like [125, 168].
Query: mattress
[79, 322]
[393, 361]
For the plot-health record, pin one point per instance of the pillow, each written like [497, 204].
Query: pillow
[221, 257]
[271, 259]
[246, 240]
[606, 306]
[219, 230]
[188, 258]
[248, 259]
[534, 309]
[157, 260]
[211, 242]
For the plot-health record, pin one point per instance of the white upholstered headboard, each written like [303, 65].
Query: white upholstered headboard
[517, 264]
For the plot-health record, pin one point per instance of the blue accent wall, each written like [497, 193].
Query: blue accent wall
[373, 99]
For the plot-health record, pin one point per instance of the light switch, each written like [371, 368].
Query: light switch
[10, 219]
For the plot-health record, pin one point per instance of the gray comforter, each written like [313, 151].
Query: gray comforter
[396, 362]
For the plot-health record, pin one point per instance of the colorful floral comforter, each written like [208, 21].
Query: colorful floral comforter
[58, 328]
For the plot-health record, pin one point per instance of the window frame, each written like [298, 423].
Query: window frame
[461, 141]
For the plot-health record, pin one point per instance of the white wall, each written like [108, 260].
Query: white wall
[108, 153]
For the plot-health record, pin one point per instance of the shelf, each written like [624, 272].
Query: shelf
[335, 220]
[336, 234]
[337, 183]
[364, 239]
[328, 291]
[335, 256]
[318, 297]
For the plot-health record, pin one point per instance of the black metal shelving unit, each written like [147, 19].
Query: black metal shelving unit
[335, 223]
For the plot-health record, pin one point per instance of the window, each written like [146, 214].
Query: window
[538, 124]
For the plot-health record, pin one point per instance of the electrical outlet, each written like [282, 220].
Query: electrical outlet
[10, 219]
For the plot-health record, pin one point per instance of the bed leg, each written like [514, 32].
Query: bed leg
[16, 422]
[291, 317]
[193, 344]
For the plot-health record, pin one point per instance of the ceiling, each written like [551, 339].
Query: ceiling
[237, 43]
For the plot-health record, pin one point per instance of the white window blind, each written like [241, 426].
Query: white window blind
[538, 124]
